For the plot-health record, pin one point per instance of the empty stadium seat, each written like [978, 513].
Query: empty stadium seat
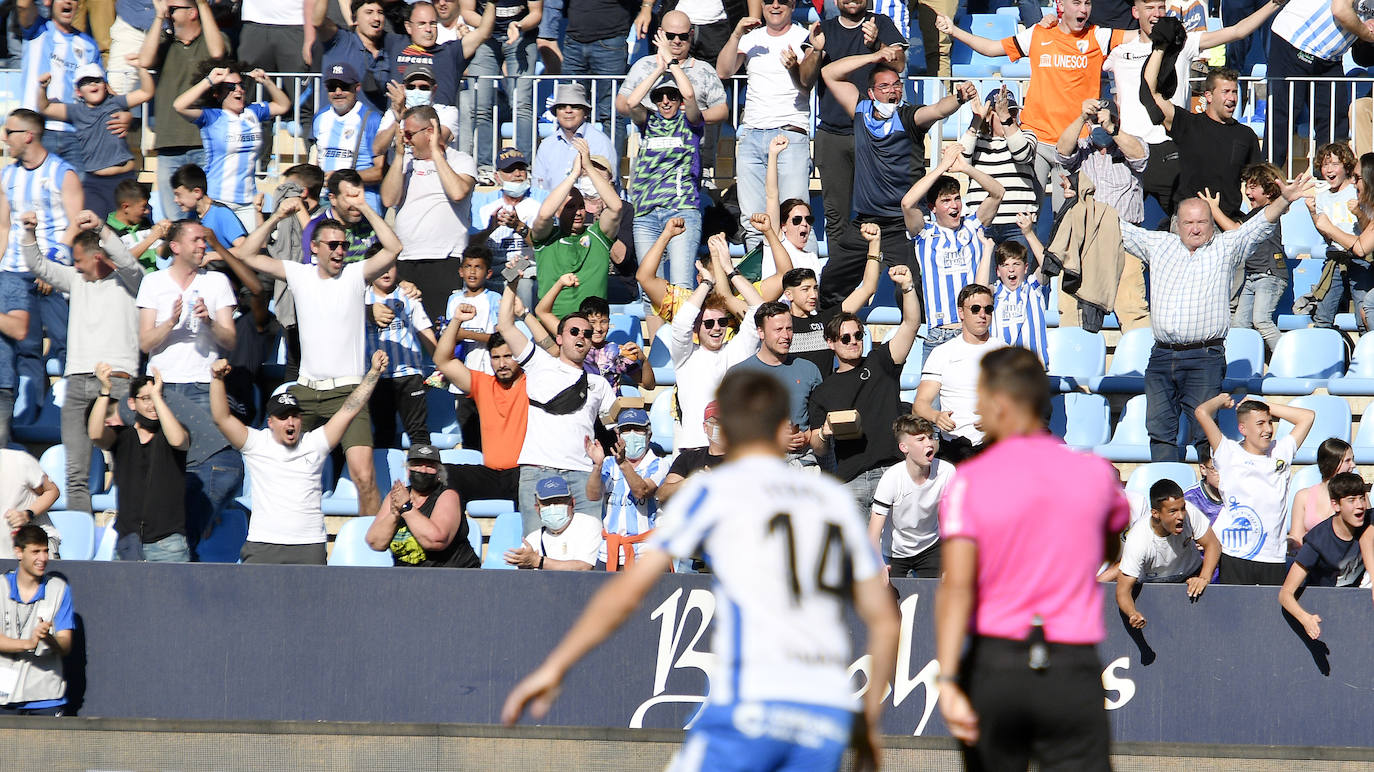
[350, 546]
[1076, 357]
[1146, 475]
[54, 464]
[661, 357]
[661, 423]
[442, 412]
[475, 538]
[880, 314]
[1364, 439]
[1305, 274]
[77, 530]
[1358, 379]
[625, 329]
[489, 507]
[1333, 420]
[389, 465]
[1081, 419]
[1244, 359]
[911, 368]
[1126, 374]
[1129, 442]
[46, 426]
[460, 456]
[1303, 361]
[506, 534]
[224, 541]
[967, 63]
[105, 543]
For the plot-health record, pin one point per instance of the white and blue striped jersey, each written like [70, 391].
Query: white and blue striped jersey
[1309, 27]
[47, 49]
[400, 339]
[231, 144]
[785, 548]
[898, 12]
[1018, 317]
[949, 261]
[345, 141]
[622, 513]
[487, 303]
[36, 190]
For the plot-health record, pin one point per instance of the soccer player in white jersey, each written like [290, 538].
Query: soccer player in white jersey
[787, 550]
[949, 247]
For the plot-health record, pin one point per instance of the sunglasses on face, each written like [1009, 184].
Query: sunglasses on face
[411, 134]
[710, 324]
[977, 309]
[578, 332]
[174, 8]
[84, 82]
[676, 35]
[9, 131]
[777, 2]
[798, 219]
[338, 85]
[333, 246]
[856, 337]
[419, 87]
[232, 85]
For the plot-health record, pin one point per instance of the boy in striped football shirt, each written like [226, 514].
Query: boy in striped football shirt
[399, 327]
[1019, 295]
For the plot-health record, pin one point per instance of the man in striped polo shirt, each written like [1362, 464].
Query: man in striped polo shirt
[344, 134]
[56, 46]
[1308, 40]
[625, 482]
[399, 327]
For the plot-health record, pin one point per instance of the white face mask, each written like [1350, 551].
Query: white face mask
[515, 189]
[416, 98]
[555, 516]
[885, 110]
[715, 436]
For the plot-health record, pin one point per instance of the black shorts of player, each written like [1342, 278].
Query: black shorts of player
[1054, 716]
[923, 565]
[1241, 571]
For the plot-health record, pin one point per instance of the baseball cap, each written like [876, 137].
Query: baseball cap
[665, 83]
[1011, 98]
[1100, 137]
[633, 416]
[712, 411]
[417, 70]
[343, 71]
[283, 405]
[509, 157]
[423, 453]
[552, 488]
[89, 70]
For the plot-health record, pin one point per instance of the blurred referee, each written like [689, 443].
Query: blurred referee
[1025, 527]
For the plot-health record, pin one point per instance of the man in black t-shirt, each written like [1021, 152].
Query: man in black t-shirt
[695, 459]
[872, 386]
[1213, 147]
[149, 470]
[800, 290]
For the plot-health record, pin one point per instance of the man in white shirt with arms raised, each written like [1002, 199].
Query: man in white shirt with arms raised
[788, 550]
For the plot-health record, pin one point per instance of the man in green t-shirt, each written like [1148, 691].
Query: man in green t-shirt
[569, 245]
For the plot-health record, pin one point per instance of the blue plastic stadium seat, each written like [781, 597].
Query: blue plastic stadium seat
[1300, 235]
[1358, 379]
[1364, 439]
[1081, 419]
[489, 507]
[506, 534]
[443, 414]
[228, 532]
[46, 426]
[389, 465]
[880, 315]
[629, 309]
[967, 63]
[1226, 422]
[1076, 357]
[461, 456]
[1303, 361]
[54, 464]
[1146, 475]
[27, 400]
[1244, 359]
[625, 329]
[1129, 442]
[1052, 307]
[1303, 477]
[77, 530]
[105, 543]
[1305, 274]
[350, 546]
[661, 357]
[661, 423]
[1333, 420]
[1126, 375]
[911, 368]
[475, 538]
[109, 499]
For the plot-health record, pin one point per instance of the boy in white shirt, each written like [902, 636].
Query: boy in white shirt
[1164, 548]
[1254, 476]
[910, 493]
[474, 270]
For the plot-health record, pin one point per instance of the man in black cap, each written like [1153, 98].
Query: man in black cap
[344, 134]
[284, 465]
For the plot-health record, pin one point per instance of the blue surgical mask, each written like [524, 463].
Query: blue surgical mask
[555, 516]
[636, 444]
[515, 189]
[416, 97]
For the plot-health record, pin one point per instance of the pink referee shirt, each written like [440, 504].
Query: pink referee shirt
[1039, 514]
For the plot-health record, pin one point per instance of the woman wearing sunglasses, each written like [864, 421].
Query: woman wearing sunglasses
[231, 129]
[794, 224]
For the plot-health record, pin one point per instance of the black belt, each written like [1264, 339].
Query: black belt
[1191, 346]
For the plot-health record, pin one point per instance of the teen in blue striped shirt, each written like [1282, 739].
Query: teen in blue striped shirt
[399, 326]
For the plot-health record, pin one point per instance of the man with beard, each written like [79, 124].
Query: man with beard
[502, 408]
[285, 462]
[798, 375]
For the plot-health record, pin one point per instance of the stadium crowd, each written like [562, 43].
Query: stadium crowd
[222, 353]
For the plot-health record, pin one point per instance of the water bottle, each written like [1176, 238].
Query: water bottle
[193, 321]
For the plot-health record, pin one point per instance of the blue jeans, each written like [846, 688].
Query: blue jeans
[47, 316]
[680, 266]
[6, 414]
[171, 549]
[166, 166]
[67, 146]
[609, 56]
[82, 390]
[751, 166]
[519, 59]
[1179, 381]
[1352, 282]
[863, 486]
[530, 475]
[935, 337]
[1259, 299]
[210, 485]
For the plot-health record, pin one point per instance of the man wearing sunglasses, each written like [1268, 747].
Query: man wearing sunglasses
[330, 315]
[55, 40]
[344, 133]
[950, 373]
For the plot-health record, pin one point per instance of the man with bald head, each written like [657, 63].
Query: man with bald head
[1190, 308]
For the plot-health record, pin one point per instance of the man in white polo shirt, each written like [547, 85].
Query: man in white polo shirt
[951, 373]
[566, 404]
[330, 315]
[285, 461]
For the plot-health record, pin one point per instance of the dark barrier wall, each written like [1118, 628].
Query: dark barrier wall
[436, 645]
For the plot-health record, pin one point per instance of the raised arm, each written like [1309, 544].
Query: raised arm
[912, 212]
[102, 435]
[26, 12]
[771, 197]
[988, 208]
[479, 33]
[337, 423]
[505, 321]
[632, 105]
[381, 262]
[655, 286]
[453, 368]
[1301, 418]
[250, 249]
[146, 87]
[1288, 193]
[152, 39]
[278, 103]
[1026, 223]
[807, 68]
[58, 111]
[215, 46]
[185, 103]
[719, 258]
[544, 308]
[904, 337]
[1214, 204]
[319, 17]
[548, 211]
[729, 59]
[947, 105]
[1245, 27]
[456, 186]
[612, 207]
[1205, 414]
[231, 427]
[984, 46]
[1343, 11]
[1067, 145]
[56, 274]
[1151, 78]
[172, 429]
[873, 266]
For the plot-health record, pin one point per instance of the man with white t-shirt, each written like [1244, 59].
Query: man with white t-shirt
[1254, 476]
[564, 540]
[783, 63]
[185, 323]
[1164, 548]
[430, 185]
[331, 316]
[909, 494]
[566, 404]
[1126, 62]
[951, 374]
[285, 461]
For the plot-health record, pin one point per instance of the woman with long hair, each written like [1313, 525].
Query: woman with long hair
[1313, 503]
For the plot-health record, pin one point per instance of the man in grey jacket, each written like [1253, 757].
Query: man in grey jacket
[102, 326]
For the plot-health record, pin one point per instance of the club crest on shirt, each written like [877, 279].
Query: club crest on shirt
[1245, 533]
[864, 374]
[585, 241]
[1279, 465]
[1082, 46]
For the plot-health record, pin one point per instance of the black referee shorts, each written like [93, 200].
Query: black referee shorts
[1055, 716]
